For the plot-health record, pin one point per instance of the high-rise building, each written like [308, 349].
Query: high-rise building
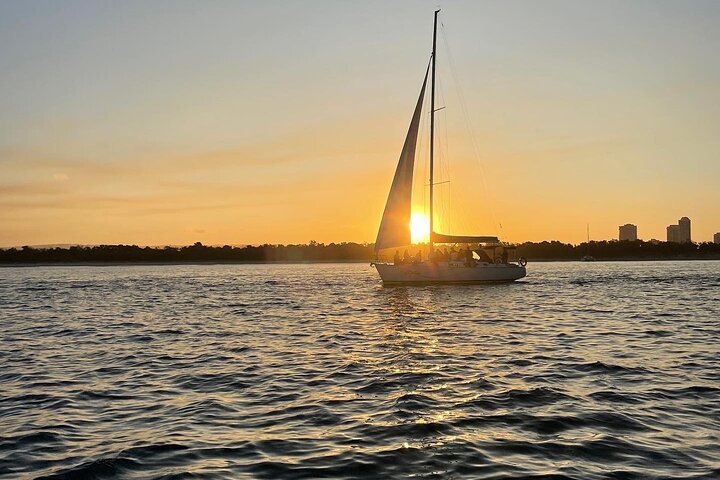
[716, 238]
[628, 232]
[684, 231]
[679, 233]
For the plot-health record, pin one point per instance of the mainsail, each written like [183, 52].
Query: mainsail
[395, 224]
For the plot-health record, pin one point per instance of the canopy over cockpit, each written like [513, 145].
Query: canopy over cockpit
[442, 238]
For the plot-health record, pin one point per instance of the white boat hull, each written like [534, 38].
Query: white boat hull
[448, 273]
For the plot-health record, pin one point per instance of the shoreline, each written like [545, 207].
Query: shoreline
[313, 262]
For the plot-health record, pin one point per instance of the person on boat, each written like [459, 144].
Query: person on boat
[396, 258]
[453, 254]
[418, 257]
[484, 257]
[504, 255]
[406, 257]
[446, 255]
[469, 260]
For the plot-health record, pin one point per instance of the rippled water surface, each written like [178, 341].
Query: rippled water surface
[604, 370]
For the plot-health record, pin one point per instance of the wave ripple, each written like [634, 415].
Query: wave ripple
[583, 371]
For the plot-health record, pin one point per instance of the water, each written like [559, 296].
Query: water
[604, 370]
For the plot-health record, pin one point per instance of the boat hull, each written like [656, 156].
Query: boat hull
[418, 273]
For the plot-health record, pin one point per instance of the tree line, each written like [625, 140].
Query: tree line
[619, 250]
[342, 252]
[312, 252]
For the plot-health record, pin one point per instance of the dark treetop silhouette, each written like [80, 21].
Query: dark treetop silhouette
[342, 252]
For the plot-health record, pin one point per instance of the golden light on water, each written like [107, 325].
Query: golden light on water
[419, 228]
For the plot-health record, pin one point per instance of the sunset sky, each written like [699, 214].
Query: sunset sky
[227, 122]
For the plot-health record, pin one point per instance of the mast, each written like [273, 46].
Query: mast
[432, 124]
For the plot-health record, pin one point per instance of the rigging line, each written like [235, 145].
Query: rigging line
[425, 156]
[419, 152]
[468, 124]
[439, 143]
[446, 192]
[445, 165]
[449, 191]
[454, 195]
[444, 150]
[444, 209]
[442, 193]
[463, 105]
[448, 169]
[469, 131]
[424, 148]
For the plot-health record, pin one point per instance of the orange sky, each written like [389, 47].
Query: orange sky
[281, 122]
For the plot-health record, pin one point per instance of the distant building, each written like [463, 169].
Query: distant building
[679, 233]
[716, 238]
[684, 224]
[628, 232]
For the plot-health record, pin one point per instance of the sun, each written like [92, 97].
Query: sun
[419, 228]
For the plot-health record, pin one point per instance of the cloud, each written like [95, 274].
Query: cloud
[29, 189]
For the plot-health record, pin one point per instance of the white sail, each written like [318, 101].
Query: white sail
[395, 224]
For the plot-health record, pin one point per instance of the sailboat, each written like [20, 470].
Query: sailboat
[394, 231]
[587, 257]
